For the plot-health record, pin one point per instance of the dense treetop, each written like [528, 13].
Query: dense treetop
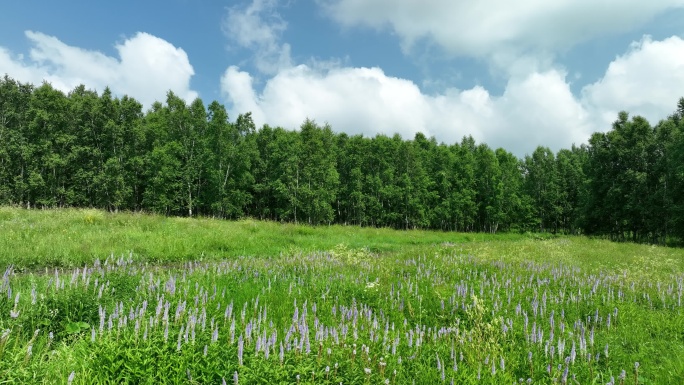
[90, 150]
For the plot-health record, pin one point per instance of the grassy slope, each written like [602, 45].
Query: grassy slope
[40, 238]
[72, 237]
[35, 239]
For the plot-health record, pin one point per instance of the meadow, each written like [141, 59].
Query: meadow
[89, 297]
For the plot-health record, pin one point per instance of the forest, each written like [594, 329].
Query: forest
[85, 149]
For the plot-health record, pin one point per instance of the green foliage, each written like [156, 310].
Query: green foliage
[64, 313]
[32, 239]
[349, 304]
[484, 333]
[93, 150]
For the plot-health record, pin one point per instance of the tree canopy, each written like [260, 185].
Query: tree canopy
[85, 149]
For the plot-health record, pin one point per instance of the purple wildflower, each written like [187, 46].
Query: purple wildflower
[241, 345]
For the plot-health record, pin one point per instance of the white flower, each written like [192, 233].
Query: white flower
[372, 285]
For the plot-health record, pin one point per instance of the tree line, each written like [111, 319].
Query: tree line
[83, 149]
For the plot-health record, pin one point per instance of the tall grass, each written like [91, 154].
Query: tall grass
[300, 305]
[72, 237]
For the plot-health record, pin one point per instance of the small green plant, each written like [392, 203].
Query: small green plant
[76, 327]
[485, 335]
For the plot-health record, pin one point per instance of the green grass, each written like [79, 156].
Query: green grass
[341, 300]
[73, 237]
[32, 239]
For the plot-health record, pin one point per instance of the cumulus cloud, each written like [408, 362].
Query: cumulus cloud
[258, 27]
[498, 27]
[647, 80]
[537, 108]
[239, 91]
[146, 69]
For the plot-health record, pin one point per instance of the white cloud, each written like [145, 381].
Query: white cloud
[239, 92]
[146, 69]
[498, 27]
[537, 108]
[258, 27]
[151, 66]
[352, 99]
[648, 80]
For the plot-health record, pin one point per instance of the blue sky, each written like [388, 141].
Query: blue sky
[511, 74]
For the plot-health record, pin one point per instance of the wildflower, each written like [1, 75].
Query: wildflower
[241, 345]
[235, 377]
[180, 336]
[71, 378]
[622, 376]
[573, 352]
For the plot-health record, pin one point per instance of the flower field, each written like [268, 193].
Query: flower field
[447, 313]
